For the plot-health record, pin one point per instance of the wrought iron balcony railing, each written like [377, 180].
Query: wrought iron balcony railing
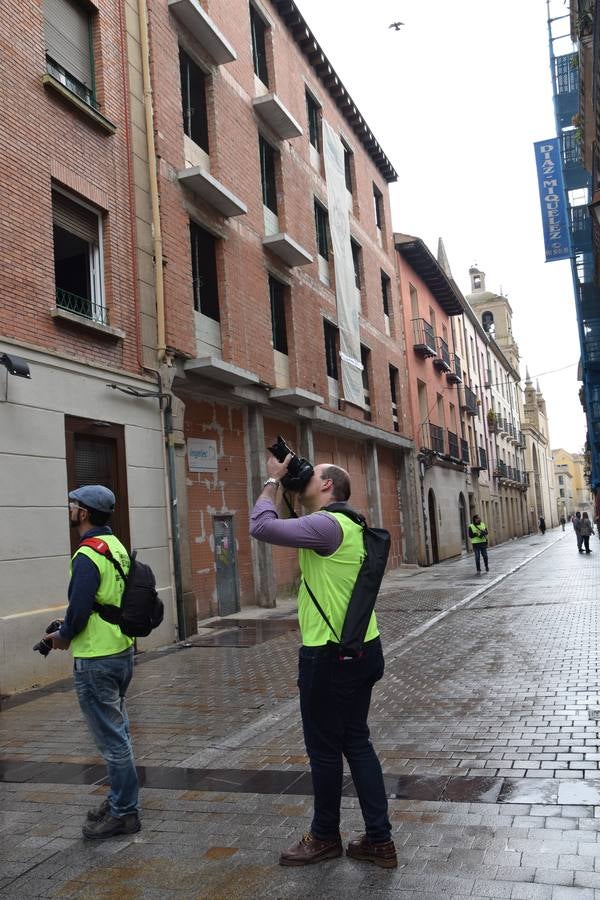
[436, 436]
[423, 338]
[469, 401]
[442, 360]
[73, 84]
[501, 468]
[454, 376]
[453, 444]
[81, 306]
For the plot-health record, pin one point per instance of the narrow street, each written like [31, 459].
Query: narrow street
[486, 723]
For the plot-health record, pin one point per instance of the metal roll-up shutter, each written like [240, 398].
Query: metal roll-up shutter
[74, 218]
[68, 38]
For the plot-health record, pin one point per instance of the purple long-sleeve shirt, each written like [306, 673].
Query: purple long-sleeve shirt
[316, 531]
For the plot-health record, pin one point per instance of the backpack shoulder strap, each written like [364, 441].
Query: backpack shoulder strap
[321, 610]
[341, 507]
[103, 549]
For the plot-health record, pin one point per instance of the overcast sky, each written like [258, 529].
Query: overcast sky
[456, 99]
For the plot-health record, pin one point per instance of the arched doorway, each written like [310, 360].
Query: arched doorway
[435, 551]
[462, 510]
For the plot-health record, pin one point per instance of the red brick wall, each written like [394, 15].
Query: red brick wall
[243, 263]
[44, 137]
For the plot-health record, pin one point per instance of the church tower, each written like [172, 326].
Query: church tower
[495, 314]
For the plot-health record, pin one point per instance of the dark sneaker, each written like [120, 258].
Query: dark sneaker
[382, 854]
[311, 850]
[94, 815]
[110, 826]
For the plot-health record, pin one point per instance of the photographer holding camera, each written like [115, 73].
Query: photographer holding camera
[335, 689]
[102, 656]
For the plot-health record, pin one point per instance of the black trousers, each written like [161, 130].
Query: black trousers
[335, 696]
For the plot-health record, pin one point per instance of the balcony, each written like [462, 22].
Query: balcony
[201, 27]
[207, 188]
[279, 119]
[589, 301]
[468, 401]
[423, 338]
[442, 360]
[487, 378]
[287, 249]
[436, 438]
[592, 344]
[464, 451]
[453, 445]
[454, 376]
[501, 470]
[482, 458]
[521, 443]
[492, 422]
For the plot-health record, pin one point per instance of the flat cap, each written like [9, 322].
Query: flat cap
[94, 496]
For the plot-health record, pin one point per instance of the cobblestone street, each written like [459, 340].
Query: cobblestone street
[487, 724]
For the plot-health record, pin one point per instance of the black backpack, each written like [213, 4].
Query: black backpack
[377, 543]
[141, 609]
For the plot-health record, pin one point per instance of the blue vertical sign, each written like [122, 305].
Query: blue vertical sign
[552, 199]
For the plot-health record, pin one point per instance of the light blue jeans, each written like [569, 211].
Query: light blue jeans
[101, 683]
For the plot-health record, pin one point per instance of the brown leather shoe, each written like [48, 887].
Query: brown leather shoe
[382, 854]
[311, 850]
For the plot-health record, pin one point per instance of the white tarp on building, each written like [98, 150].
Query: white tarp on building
[345, 287]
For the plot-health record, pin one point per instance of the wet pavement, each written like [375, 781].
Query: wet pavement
[487, 724]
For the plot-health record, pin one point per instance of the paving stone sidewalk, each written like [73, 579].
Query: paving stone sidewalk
[505, 686]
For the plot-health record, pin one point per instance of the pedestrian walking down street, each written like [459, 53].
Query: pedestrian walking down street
[478, 535]
[577, 529]
[586, 530]
[542, 525]
[563, 522]
[335, 690]
[102, 657]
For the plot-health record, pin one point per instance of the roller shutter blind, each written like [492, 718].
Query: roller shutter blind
[74, 218]
[67, 26]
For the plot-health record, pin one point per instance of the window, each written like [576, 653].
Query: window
[487, 320]
[476, 282]
[77, 231]
[562, 492]
[561, 479]
[193, 100]
[204, 272]
[278, 326]
[314, 124]
[378, 203]
[348, 166]
[95, 454]
[432, 321]
[356, 259]
[365, 358]
[394, 391]
[258, 29]
[267, 174]
[385, 293]
[331, 352]
[414, 302]
[69, 58]
[322, 226]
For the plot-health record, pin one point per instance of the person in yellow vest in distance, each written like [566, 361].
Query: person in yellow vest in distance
[478, 534]
[103, 658]
[335, 691]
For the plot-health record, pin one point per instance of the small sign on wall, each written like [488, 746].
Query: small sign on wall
[202, 455]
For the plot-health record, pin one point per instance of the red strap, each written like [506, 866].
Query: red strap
[98, 545]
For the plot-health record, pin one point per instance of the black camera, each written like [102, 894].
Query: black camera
[44, 647]
[299, 471]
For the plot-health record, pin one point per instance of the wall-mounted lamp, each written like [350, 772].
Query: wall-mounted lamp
[15, 365]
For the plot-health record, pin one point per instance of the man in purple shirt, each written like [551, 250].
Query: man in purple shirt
[335, 693]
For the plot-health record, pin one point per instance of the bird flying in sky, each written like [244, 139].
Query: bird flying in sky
[396, 25]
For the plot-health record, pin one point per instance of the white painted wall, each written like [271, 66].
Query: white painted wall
[34, 528]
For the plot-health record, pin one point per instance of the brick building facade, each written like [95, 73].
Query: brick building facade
[72, 308]
[250, 118]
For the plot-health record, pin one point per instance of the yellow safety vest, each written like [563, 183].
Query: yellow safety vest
[482, 539]
[331, 579]
[100, 638]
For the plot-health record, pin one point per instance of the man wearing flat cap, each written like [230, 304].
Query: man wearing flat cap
[102, 656]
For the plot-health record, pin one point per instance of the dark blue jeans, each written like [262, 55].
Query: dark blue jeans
[480, 550]
[101, 683]
[334, 701]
